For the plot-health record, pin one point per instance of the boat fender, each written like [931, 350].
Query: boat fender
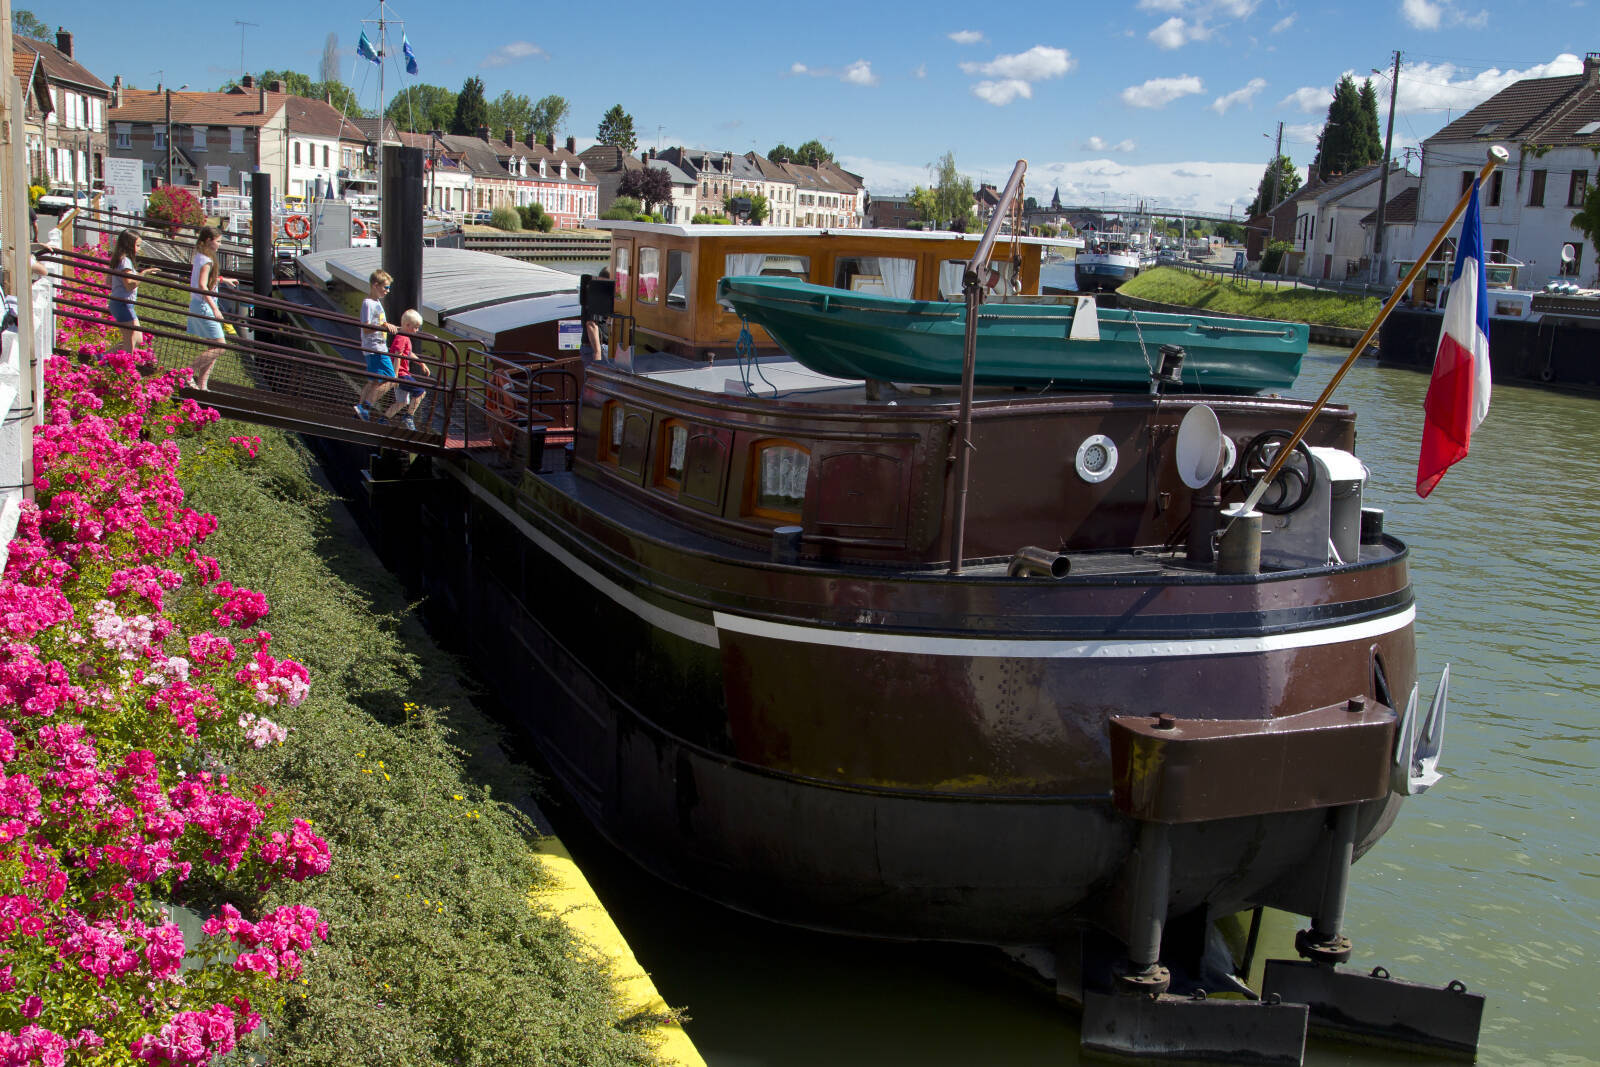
[1031, 561]
[1546, 373]
[501, 406]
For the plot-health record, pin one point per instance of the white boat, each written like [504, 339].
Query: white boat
[1110, 259]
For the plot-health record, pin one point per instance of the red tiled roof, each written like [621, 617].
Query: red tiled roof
[318, 118]
[198, 109]
[57, 65]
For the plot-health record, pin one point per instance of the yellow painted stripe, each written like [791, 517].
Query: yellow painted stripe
[570, 896]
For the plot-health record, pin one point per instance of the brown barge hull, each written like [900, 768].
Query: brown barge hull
[843, 763]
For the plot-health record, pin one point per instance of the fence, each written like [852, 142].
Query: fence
[1262, 280]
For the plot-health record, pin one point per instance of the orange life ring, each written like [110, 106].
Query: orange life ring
[502, 407]
[360, 225]
[297, 227]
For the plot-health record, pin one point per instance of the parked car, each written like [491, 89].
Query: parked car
[59, 200]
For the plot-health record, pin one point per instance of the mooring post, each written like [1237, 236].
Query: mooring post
[261, 251]
[1325, 941]
[400, 234]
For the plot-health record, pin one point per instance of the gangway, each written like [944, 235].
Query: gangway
[294, 363]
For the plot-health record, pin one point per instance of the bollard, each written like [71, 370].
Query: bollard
[1239, 548]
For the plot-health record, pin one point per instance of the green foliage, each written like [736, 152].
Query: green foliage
[925, 204]
[423, 108]
[1349, 140]
[472, 111]
[711, 220]
[781, 153]
[1288, 184]
[616, 128]
[27, 24]
[1232, 232]
[758, 211]
[952, 194]
[550, 116]
[510, 109]
[1272, 256]
[506, 218]
[534, 218]
[623, 207]
[812, 154]
[1587, 220]
[1288, 303]
[340, 95]
[438, 957]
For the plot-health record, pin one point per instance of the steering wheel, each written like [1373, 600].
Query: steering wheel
[1292, 487]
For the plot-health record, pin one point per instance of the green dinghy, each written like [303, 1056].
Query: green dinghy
[1024, 341]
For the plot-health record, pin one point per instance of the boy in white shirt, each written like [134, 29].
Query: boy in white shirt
[375, 334]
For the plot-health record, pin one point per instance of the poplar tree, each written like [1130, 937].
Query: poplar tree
[1349, 138]
[472, 110]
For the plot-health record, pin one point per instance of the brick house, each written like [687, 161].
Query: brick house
[68, 143]
[211, 133]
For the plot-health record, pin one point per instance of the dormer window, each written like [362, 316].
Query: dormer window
[563, 170]
[542, 172]
[583, 172]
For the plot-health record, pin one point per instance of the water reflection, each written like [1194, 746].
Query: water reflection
[1493, 877]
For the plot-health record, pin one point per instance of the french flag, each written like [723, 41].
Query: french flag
[1458, 394]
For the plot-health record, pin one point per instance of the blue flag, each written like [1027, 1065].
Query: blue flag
[364, 48]
[411, 57]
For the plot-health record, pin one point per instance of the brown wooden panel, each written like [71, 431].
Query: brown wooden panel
[862, 492]
[705, 475]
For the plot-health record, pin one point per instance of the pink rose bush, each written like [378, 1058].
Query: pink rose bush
[132, 678]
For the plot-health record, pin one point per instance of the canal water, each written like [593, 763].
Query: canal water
[1492, 878]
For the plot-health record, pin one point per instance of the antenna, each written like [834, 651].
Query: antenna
[241, 23]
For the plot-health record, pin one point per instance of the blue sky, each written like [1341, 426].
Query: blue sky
[1173, 101]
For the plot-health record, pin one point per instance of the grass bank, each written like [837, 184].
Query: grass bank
[1168, 285]
[436, 955]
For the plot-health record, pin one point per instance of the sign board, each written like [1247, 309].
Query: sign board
[124, 185]
[569, 335]
[1238, 261]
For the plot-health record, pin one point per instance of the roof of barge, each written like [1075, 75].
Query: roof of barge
[454, 280]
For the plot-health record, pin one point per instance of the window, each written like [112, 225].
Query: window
[124, 134]
[768, 265]
[1466, 179]
[297, 153]
[876, 274]
[677, 279]
[952, 271]
[612, 418]
[780, 472]
[199, 138]
[675, 440]
[1536, 188]
[649, 275]
[619, 268]
[1578, 188]
[161, 136]
[324, 156]
[1496, 185]
[1499, 250]
[1330, 227]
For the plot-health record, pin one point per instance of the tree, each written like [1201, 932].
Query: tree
[1371, 136]
[759, 207]
[1349, 139]
[1587, 221]
[812, 154]
[1288, 184]
[510, 109]
[472, 111]
[650, 184]
[550, 116]
[335, 92]
[781, 153]
[29, 25]
[616, 128]
[926, 205]
[330, 58]
[623, 207]
[952, 194]
[424, 108]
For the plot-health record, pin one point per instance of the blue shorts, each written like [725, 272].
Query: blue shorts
[200, 323]
[379, 363]
[407, 390]
[122, 312]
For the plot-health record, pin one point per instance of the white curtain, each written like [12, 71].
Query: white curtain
[743, 263]
[950, 274]
[898, 275]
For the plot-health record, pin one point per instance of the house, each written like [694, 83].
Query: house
[67, 143]
[492, 185]
[1551, 126]
[1328, 240]
[36, 105]
[220, 137]
[321, 140]
[891, 212]
[685, 191]
[762, 175]
[712, 171]
[608, 164]
[559, 181]
[1399, 226]
[447, 180]
[827, 196]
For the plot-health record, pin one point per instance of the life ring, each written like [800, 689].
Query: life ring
[501, 405]
[297, 227]
[360, 225]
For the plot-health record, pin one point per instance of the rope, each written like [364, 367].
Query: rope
[1133, 317]
[745, 349]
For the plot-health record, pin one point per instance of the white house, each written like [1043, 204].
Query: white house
[1329, 240]
[1551, 127]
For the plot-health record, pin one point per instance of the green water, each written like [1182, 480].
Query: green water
[1493, 877]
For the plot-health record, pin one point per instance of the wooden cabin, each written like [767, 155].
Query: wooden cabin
[667, 274]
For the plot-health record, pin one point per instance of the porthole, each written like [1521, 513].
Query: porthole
[1097, 458]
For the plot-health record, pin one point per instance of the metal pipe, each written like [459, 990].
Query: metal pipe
[1327, 925]
[1150, 896]
[1031, 561]
[261, 254]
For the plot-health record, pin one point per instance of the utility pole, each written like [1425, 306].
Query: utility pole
[1277, 154]
[1383, 179]
[169, 136]
[241, 23]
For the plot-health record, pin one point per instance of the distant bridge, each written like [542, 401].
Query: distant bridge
[1106, 211]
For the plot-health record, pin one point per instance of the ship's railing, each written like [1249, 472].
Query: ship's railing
[516, 402]
[280, 363]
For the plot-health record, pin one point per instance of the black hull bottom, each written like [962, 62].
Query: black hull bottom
[1558, 355]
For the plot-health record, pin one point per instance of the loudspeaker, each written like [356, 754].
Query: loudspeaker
[596, 296]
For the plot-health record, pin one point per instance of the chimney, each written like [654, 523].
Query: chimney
[483, 133]
[275, 86]
[529, 141]
[1591, 68]
[116, 92]
[64, 42]
[572, 145]
[550, 141]
[247, 82]
[511, 138]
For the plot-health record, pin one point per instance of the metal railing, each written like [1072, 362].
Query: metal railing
[1261, 280]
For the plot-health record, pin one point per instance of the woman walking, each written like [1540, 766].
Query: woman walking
[125, 277]
[205, 316]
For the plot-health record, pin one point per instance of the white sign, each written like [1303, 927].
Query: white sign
[124, 185]
[569, 335]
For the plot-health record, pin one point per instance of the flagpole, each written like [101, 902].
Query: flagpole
[1497, 156]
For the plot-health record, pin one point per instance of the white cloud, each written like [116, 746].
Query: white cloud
[1282, 24]
[859, 73]
[1434, 87]
[1163, 5]
[1100, 144]
[1012, 76]
[966, 36]
[1308, 98]
[1436, 14]
[507, 54]
[1175, 33]
[1159, 92]
[1301, 133]
[1243, 95]
[921, 71]
[798, 68]
[1238, 9]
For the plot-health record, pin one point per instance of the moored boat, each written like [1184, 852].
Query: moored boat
[1110, 259]
[1067, 341]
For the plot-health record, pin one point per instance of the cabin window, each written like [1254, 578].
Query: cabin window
[619, 268]
[780, 480]
[1536, 188]
[1578, 188]
[768, 266]
[876, 274]
[675, 446]
[649, 274]
[612, 417]
[951, 272]
[677, 279]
